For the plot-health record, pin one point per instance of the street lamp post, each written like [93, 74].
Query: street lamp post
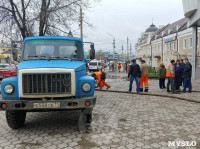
[113, 45]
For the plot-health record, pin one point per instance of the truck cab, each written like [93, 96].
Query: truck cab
[51, 77]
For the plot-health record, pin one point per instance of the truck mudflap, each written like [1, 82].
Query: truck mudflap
[40, 105]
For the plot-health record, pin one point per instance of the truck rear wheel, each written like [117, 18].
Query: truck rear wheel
[85, 119]
[15, 119]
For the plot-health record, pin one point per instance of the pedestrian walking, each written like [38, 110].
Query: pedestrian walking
[144, 76]
[187, 72]
[126, 66]
[170, 75]
[134, 74]
[178, 75]
[183, 65]
[162, 75]
[119, 66]
[100, 78]
[113, 66]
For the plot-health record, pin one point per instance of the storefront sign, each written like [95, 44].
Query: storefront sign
[170, 39]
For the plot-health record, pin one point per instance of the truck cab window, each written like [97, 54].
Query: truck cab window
[52, 49]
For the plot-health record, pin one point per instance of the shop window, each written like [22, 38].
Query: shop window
[191, 42]
[174, 45]
[184, 43]
[170, 46]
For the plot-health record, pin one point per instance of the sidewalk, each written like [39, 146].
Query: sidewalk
[118, 82]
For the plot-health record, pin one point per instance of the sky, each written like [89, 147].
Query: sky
[120, 19]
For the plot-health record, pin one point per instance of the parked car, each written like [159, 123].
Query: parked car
[95, 65]
[7, 71]
[3, 66]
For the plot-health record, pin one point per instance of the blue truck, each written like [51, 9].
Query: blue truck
[50, 77]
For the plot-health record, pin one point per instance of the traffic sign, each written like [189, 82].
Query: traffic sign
[106, 55]
[116, 55]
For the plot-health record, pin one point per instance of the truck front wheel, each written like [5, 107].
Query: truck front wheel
[15, 119]
[85, 118]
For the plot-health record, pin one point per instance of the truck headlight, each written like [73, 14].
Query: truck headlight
[86, 87]
[8, 88]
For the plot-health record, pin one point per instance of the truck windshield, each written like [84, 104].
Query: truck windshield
[52, 49]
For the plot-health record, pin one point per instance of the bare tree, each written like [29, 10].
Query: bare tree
[39, 17]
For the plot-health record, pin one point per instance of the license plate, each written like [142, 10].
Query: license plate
[46, 105]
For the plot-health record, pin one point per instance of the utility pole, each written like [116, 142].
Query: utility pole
[127, 48]
[122, 49]
[81, 23]
[113, 49]
[130, 50]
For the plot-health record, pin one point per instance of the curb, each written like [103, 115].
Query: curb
[150, 94]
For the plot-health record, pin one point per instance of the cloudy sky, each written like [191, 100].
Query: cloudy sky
[120, 19]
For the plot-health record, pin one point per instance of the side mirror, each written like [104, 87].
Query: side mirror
[92, 51]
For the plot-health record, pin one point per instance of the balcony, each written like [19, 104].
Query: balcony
[190, 7]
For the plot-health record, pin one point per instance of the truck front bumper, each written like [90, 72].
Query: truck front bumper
[45, 105]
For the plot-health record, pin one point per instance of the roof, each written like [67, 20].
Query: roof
[151, 28]
[52, 37]
[177, 26]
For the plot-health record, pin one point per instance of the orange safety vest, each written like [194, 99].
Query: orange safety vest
[119, 66]
[168, 74]
[98, 75]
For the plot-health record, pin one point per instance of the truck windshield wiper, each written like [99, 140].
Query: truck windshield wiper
[42, 57]
[62, 58]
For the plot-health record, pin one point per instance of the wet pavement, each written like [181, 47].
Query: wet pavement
[121, 121]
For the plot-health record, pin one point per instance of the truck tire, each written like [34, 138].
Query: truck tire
[85, 119]
[15, 119]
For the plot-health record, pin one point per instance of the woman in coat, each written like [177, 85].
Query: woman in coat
[162, 75]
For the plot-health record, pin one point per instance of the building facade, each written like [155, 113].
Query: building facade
[6, 52]
[172, 41]
[192, 12]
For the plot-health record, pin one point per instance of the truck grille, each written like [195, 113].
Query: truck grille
[51, 83]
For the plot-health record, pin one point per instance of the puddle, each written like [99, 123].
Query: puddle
[85, 144]
[31, 143]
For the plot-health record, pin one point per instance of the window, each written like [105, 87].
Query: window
[170, 46]
[190, 42]
[184, 43]
[174, 45]
[52, 49]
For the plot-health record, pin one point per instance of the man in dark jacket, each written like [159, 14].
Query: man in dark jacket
[162, 75]
[134, 74]
[183, 65]
[187, 72]
[178, 75]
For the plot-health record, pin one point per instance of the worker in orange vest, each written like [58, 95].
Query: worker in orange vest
[144, 68]
[100, 79]
[170, 75]
[97, 77]
[119, 66]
